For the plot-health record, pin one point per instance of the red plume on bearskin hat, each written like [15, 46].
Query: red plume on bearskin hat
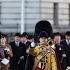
[42, 25]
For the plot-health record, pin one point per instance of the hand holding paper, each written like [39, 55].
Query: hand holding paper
[5, 61]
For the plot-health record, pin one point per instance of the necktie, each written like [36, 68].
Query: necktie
[17, 43]
[68, 42]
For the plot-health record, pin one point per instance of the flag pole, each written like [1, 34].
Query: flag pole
[22, 16]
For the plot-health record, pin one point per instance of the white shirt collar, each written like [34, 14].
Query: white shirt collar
[68, 42]
[17, 43]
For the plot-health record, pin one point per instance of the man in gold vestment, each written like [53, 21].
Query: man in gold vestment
[45, 57]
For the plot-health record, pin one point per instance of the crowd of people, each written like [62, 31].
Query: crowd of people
[21, 54]
[49, 53]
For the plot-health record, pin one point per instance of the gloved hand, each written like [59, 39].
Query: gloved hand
[22, 57]
[33, 44]
[68, 68]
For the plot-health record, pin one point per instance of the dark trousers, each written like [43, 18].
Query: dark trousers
[29, 62]
[21, 65]
[17, 66]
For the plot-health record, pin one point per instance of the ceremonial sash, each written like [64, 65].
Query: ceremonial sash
[38, 58]
[37, 68]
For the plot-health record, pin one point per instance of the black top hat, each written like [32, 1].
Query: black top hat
[67, 33]
[25, 34]
[43, 34]
[30, 36]
[17, 34]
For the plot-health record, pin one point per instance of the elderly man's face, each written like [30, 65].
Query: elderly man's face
[57, 39]
[3, 41]
[17, 38]
[23, 39]
[67, 37]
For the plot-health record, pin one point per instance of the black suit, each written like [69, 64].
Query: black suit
[18, 51]
[66, 57]
[30, 58]
[58, 50]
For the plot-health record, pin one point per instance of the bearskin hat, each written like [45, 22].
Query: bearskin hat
[42, 25]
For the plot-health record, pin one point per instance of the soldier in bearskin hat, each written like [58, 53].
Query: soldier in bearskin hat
[43, 31]
[45, 57]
